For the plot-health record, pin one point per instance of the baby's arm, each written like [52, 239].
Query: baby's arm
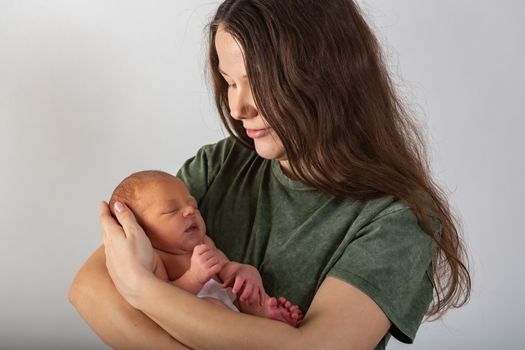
[246, 281]
[241, 277]
[209, 242]
[205, 263]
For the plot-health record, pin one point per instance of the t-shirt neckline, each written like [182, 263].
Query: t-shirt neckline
[286, 181]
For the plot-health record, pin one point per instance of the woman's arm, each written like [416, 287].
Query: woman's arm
[340, 317]
[116, 322]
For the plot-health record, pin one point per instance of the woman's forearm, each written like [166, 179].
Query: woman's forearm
[203, 325]
[340, 317]
[116, 322]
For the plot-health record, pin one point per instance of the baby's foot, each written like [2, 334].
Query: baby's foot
[283, 310]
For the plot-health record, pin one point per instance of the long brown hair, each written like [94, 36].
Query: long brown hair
[319, 79]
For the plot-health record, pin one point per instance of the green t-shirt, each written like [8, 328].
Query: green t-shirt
[296, 235]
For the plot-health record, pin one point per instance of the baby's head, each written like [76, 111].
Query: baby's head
[164, 208]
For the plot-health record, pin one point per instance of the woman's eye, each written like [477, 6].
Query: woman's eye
[230, 85]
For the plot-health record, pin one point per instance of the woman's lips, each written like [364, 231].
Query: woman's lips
[256, 133]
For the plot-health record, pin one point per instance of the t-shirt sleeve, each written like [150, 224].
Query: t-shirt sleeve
[390, 261]
[199, 171]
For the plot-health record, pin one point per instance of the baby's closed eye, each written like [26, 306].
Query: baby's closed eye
[170, 211]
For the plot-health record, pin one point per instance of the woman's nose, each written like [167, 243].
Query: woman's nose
[242, 105]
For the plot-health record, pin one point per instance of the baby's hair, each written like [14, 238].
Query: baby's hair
[127, 191]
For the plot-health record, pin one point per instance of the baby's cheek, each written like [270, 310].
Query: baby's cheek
[202, 225]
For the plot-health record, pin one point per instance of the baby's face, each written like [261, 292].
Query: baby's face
[170, 216]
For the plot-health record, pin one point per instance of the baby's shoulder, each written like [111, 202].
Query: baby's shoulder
[175, 264]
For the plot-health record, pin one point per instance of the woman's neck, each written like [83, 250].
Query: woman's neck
[285, 167]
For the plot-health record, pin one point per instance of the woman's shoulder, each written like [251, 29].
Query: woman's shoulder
[379, 207]
[388, 256]
[200, 171]
[390, 209]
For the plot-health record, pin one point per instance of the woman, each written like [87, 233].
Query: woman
[323, 187]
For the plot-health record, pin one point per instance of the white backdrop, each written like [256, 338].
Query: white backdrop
[91, 91]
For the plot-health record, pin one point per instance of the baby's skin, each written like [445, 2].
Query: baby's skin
[185, 255]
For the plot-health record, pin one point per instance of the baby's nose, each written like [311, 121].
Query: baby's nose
[189, 210]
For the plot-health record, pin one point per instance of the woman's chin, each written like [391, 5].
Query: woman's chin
[269, 150]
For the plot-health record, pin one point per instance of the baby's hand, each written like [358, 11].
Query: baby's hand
[245, 280]
[205, 263]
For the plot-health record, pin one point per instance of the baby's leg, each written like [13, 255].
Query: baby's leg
[275, 309]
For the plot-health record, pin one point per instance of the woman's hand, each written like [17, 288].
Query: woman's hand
[129, 254]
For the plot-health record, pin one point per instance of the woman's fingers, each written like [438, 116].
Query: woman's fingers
[126, 218]
[104, 209]
[119, 246]
[110, 228]
[106, 220]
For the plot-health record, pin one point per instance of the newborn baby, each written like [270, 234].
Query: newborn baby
[186, 256]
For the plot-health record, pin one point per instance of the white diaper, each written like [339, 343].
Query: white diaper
[212, 289]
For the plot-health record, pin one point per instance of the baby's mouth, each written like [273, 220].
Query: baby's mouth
[192, 228]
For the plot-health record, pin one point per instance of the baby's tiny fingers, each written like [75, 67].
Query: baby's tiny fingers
[227, 283]
[246, 294]
[215, 269]
[200, 249]
[212, 261]
[206, 255]
[237, 285]
[261, 291]
[254, 295]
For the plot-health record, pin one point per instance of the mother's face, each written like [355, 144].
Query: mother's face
[241, 101]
